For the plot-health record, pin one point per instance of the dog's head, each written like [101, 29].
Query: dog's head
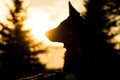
[70, 30]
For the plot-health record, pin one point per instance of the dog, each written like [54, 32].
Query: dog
[72, 33]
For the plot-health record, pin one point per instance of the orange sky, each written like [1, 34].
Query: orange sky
[55, 9]
[44, 15]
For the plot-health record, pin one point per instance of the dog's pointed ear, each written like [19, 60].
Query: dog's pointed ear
[72, 10]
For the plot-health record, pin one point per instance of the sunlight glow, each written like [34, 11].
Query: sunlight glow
[43, 16]
[39, 23]
[54, 59]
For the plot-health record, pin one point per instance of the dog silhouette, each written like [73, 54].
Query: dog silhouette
[72, 32]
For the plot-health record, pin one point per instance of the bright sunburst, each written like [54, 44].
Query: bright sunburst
[39, 23]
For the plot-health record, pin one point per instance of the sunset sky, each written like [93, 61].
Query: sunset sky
[42, 16]
[54, 10]
[52, 13]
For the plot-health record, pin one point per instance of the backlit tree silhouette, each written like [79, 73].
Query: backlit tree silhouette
[17, 58]
[103, 18]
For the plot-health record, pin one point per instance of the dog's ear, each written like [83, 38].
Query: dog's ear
[73, 11]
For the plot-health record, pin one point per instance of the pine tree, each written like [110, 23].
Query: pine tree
[101, 18]
[15, 43]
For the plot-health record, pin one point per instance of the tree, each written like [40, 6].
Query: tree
[102, 18]
[15, 43]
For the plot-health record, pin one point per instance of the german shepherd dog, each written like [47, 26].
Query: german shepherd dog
[86, 56]
[72, 33]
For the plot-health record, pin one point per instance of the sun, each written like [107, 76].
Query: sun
[39, 23]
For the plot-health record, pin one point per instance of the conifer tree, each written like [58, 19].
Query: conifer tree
[102, 17]
[15, 43]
